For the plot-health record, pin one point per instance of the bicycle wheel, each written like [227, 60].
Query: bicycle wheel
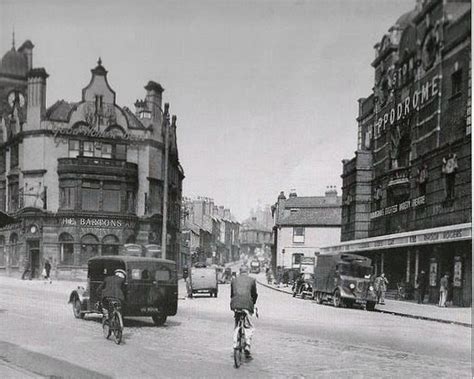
[117, 327]
[106, 327]
[238, 349]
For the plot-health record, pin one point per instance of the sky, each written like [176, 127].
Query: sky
[265, 91]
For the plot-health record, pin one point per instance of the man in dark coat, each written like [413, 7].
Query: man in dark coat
[243, 296]
[112, 288]
[422, 285]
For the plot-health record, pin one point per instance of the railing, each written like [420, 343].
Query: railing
[399, 176]
[86, 164]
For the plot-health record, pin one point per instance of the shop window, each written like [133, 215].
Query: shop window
[111, 197]
[68, 195]
[89, 248]
[91, 196]
[14, 155]
[66, 243]
[74, 148]
[14, 251]
[297, 258]
[121, 152]
[456, 83]
[3, 255]
[106, 150]
[14, 193]
[110, 245]
[298, 234]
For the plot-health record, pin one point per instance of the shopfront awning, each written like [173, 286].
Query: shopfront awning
[6, 219]
[444, 234]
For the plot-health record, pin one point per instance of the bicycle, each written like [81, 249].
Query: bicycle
[113, 323]
[241, 318]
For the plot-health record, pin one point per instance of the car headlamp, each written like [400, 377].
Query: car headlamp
[371, 288]
[352, 286]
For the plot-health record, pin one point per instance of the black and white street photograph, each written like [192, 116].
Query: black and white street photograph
[235, 189]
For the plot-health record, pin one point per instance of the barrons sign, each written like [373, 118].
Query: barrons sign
[96, 222]
[413, 203]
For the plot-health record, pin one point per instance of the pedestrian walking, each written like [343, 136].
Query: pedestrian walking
[47, 270]
[443, 290]
[422, 283]
[26, 271]
[380, 288]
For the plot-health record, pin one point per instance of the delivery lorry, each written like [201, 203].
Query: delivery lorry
[202, 280]
[344, 280]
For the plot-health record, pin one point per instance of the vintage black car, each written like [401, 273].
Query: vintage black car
[151, 287]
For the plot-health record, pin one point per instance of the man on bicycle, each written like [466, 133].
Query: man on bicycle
[243, 295]
[112, 289]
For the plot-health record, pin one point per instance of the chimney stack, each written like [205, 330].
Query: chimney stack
[154, 95]
[292, 193]
[36, 97]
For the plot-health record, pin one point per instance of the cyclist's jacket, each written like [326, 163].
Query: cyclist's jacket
[112, 286]
[243, 293]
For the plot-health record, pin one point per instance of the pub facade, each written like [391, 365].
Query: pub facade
[82, 178]
[407, 192]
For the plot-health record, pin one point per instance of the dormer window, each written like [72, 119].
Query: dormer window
[145, 114]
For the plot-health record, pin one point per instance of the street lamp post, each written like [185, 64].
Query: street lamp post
[164, 229]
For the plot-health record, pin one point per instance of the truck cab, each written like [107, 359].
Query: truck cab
[344, 280]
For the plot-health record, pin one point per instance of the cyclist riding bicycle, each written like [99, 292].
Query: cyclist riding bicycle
[112, 289]
[243, 294]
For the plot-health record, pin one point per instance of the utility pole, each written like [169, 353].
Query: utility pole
[164, 229]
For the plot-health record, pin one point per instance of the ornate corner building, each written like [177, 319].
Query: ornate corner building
[84, 178]
[407, 192]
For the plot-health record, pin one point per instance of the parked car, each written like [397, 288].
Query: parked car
[202, 280]
[344, 279]
[151, 287]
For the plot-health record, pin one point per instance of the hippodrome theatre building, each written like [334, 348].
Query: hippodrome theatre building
[84, 178]
[407, 192]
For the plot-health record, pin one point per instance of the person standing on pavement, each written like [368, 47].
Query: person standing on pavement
[380, 288]
[422, 282]
[443, 290]
[243, 296]
[47, 270]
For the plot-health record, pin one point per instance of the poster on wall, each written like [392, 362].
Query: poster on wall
[457, 272]
[433, 273]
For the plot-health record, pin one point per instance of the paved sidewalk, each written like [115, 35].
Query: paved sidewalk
[454, 315]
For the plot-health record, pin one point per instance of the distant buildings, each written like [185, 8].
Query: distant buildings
[255, 238]
[302, 225]
[82, 178]
[218, 232]
[407, 192]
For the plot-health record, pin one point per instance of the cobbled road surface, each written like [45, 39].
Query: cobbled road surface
[39, 337]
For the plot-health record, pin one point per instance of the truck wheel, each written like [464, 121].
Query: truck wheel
[336, 298]
[370, 305]
[215, 294]
[159, 319]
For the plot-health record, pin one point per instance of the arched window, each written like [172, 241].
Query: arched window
[89, 248]
[14, 253]
[110, 245]
[66, 245]
[3, 254]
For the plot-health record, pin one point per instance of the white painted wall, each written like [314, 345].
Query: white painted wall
[315, 237]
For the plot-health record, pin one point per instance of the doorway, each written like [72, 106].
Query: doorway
[34, 255]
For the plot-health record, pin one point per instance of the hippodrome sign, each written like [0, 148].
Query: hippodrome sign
[407, 105]
[85, 131]
[413, 203]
